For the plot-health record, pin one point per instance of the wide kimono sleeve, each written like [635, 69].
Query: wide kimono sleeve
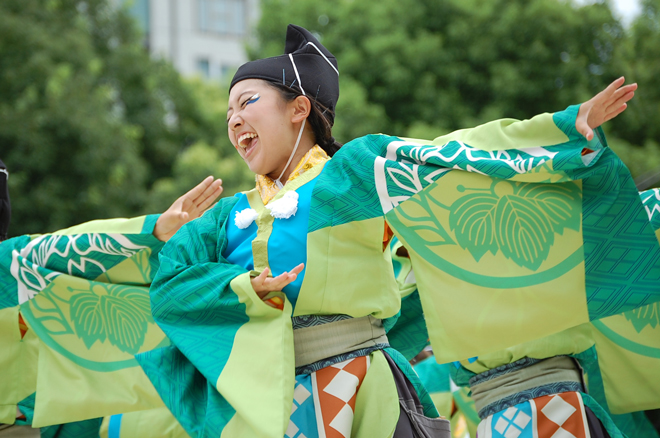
[628, 345]
[212, 378]
[74, 310]
[516, 229]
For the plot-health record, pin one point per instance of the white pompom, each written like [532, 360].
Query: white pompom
[285, 207]
[245, 218]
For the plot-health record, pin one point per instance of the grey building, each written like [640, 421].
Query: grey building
[200, 37]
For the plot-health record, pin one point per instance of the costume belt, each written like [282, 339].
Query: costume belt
[319, 337]
[514, 383]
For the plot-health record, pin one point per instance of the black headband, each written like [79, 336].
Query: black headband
[305, 60]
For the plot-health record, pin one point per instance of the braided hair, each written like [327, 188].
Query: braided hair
[321, 125]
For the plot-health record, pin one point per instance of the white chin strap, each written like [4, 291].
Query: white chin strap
[295, 148]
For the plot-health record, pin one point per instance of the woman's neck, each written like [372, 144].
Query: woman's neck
[305, 145]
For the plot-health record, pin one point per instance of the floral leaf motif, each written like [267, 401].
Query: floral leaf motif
[472, 220]
[518, 219]
[423, 221]
[523, 233]
[117, 313]
[87, 318]
[644, 316]
[126, 313]
[559, 202]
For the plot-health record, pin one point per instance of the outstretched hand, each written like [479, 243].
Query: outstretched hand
[604, 106]
[187, 207]
[263, 285]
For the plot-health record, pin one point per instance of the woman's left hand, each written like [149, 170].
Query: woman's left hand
[604, 106]
[187, 207]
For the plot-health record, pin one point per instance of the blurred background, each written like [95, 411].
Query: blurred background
[113, 108]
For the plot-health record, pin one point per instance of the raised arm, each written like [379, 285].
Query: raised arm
[604, 106]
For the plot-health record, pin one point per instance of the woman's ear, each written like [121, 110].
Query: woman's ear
[302, 108]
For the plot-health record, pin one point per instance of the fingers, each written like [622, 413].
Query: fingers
[258, 281]
[262, 284]
[618, 100]
[215, 191]
[616, 112]
[199, 188]
[281, 281]
[614, 86]
[623, 90]
[298, 269]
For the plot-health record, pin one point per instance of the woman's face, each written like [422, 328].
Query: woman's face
[261, 126]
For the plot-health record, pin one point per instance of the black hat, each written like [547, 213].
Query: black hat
[5, 205]
[305, 60]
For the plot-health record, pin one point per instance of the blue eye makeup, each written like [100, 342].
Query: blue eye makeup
[253, 99]
[245, 103]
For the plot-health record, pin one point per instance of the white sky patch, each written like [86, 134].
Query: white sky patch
[625, 10]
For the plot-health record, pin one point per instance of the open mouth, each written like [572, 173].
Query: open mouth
[247, 142]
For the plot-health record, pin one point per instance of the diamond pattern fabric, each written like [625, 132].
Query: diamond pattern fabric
[550, 416]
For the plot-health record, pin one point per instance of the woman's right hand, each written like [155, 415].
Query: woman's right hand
[263, 285]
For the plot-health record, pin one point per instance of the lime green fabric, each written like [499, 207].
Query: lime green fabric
[509, 134]
[514, 238]
[18, 362]
[265, 227]
[328, 286]
[81, 293]
[270, 333]
[377, 402]
[193, 301]
[152, 423]
[629, 361]
[511, 221]
[572, 341]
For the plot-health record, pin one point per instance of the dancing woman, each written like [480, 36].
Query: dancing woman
[277, 301]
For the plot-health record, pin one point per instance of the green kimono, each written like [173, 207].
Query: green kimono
[524, 224]
[74, 310]
[619, 355]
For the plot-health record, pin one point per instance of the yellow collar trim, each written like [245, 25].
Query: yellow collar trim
[267, 187]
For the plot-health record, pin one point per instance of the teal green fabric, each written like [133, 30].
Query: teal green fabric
[409, 372]
[27, 408]
[8, 284]
[191, 398]
[346, 190]
[607, 238]
[433, 375]
[200, 319]
[64, 282]
[634, 424]
[78, 429]
[379, 175]
[406, 331]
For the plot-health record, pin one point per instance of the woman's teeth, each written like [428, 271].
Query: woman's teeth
[244, 140]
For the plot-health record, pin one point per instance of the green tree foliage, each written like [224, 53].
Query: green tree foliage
[454, 63]
[638, 59]
[88, 122]
[202, 159]
[91, 127]
[421, 68]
